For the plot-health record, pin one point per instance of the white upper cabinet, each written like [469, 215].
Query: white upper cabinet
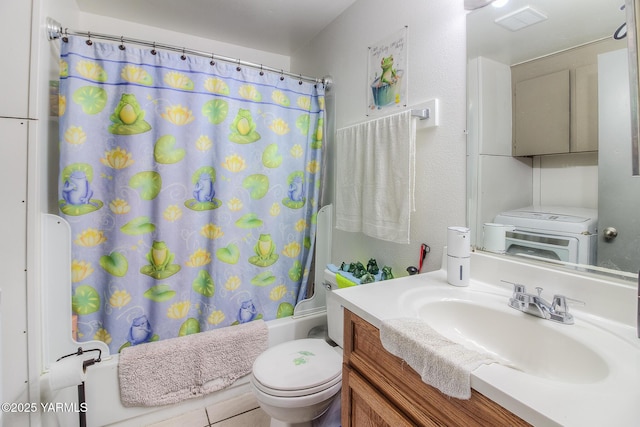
[15, 31]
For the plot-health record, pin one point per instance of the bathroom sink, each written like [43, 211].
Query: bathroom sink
[550, 374]
[532, 345]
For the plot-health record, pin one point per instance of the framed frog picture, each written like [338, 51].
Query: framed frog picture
[387, 74]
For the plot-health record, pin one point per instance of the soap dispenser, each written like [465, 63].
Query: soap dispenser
[458, 256]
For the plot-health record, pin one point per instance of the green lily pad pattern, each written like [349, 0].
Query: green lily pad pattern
[165, 151]
[203, 284]
[149, 183]
[243, 128]
[92, 99]
[295, 272]
[316, 142]
[77, 210]
[85, 300]
[190, 326]
[139, 225]
[303, 124]
[249, 220]
[115, 264]
[285, 309]
[263, 279]
[195, 205]
[270, 156]
[230, 254]
[216, 111]
[169, 271]
[128, 117]
[257, 184]
[160, 293]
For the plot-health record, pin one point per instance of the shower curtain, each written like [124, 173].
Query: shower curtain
[191, 188]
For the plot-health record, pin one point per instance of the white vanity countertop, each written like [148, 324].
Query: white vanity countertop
[612, 401]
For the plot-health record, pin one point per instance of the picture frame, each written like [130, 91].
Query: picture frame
[387, 72]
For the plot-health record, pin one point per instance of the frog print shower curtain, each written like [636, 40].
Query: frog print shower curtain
[191, 189]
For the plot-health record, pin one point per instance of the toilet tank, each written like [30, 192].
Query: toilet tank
[335, 313]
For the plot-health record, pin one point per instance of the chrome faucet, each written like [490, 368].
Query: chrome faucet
[557, 310]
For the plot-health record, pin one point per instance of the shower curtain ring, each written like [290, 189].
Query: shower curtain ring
[261, 72]
[121, 43]
[89, 42]
[212, 60]
[281, 75]
[300, 81]
[183, 56]
[65, 37]
[153, 51]
[238, 67]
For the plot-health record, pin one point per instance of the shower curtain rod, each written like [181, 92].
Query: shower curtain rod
[55, 31]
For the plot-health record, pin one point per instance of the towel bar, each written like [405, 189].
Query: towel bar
[422, 114]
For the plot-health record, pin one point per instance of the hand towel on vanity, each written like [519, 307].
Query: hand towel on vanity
[440, 362]
[375, 177]
[175, 369]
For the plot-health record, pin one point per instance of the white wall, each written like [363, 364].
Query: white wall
[106, 25]
[436, 39]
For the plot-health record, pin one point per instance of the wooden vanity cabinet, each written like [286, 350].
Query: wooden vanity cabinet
[380, 389]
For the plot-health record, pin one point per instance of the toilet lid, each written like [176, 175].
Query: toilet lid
[298, 365]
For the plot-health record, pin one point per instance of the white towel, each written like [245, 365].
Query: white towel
[175, 369]
[440, 362]
[375, 177]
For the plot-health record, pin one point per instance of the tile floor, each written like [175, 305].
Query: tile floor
[242, 411]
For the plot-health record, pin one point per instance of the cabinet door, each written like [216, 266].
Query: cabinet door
[542, 115]
[584, 126]
[16, 32]
[13, 251]
[364, 406]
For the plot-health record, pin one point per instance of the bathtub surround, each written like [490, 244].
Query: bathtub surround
[177, 369]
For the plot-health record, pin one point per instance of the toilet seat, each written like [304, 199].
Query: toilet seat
[297, 368]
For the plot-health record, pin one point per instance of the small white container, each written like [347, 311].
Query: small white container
[494, 236]
[458, 256]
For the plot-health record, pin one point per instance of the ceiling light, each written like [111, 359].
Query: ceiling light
[521, 18]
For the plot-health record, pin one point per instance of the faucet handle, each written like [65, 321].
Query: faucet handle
[520, 289]
[560, 305]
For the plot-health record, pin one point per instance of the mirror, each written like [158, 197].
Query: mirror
[544, 106]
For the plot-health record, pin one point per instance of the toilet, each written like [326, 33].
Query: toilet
[296, 382]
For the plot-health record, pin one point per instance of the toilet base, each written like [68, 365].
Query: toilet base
[278, 423]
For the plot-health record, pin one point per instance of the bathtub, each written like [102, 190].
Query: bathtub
[103, 407]
[102, 392]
